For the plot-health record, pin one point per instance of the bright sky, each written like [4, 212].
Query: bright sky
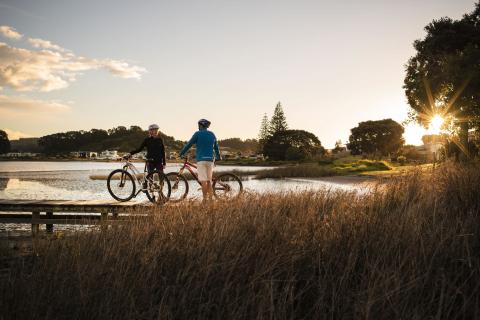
[71, 65]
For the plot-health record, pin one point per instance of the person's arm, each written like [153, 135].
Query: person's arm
[139, 148]
[218, 156]
[189, 145]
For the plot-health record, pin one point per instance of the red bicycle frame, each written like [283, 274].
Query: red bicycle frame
[190, 166]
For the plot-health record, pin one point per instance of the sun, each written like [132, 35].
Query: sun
[413, 134]
[436, 123]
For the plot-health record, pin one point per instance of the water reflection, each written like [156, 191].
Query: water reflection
[76, 184]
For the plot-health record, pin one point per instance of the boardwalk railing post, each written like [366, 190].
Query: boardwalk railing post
[35, 226]
[49, 225]
[103, 220]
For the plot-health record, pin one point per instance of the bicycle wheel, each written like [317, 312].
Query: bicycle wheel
[158, 187]
[179, 186]
[227, 186]
[121, 185]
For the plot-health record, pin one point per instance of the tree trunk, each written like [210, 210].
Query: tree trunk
[463, 135]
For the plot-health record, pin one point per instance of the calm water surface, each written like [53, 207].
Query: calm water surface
[71, 181]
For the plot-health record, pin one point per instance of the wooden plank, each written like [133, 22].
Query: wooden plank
[35, 226]
[65, 222]
[49, 226]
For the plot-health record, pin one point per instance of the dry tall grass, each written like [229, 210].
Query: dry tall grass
[408, 251]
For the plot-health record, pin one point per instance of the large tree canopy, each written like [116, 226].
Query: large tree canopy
[444, 75]
[120, 138]
[376, 137]
[292, 145]
[4, 142]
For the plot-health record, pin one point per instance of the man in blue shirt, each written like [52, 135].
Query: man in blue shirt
[207, 152]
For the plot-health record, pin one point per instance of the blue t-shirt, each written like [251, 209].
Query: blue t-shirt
[206, 143]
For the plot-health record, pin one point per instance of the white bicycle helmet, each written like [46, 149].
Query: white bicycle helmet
[153, 126]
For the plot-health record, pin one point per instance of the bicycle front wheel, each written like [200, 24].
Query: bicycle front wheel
[179, 186]
[227, 186]
[121, 185]
[158, 187]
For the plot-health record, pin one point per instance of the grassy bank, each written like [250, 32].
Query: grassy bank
[315, 170]
[408, 251]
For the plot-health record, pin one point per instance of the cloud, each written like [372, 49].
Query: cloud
[52, 67]
[15, 135]
[9, 32]
[29, 105]
[122, 69]
[44, 44]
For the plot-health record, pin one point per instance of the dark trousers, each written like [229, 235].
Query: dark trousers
[154, 165]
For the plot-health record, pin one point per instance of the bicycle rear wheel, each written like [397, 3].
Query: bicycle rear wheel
[227, 186]
[121, 185]
[179, 186]
[158, 187]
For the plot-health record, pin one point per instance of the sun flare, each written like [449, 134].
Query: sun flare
[435, 124]
[413, 134]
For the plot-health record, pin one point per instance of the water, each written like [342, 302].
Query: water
[70, 180]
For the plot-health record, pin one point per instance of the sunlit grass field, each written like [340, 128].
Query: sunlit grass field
[408, 250]
[344, 166]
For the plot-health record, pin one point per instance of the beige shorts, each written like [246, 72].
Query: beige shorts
[205, 170]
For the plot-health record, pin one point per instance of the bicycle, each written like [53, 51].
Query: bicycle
[154, 184]
[225, 185]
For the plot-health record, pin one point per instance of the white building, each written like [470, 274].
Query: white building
[109, 154]
[20, 155]
[140, 155]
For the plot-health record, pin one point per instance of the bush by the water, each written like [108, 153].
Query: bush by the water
[314, 170]
[408, 250]
[361, 165]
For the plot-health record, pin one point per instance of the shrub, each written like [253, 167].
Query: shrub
[402, 160]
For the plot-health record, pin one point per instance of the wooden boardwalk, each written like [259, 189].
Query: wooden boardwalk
[87, 212]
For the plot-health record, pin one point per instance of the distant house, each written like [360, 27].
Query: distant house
[108, 154]
[432, 146]
[173, 155]
[21, 155]
[140, 155]
[227, 154]
[84, 154]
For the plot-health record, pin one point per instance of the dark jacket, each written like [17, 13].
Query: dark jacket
[155, 149]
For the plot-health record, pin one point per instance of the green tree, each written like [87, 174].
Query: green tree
[338, 147]
[278, 122]
[4, 142]
[237, 144]
[119, 138]
[444, 75]
[292, 145]
[264, 132]
[264, 128]
[381, 137]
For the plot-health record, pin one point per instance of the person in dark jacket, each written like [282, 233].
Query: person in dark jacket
[155, 150]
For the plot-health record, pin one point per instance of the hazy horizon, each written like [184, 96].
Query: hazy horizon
[67, 65]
